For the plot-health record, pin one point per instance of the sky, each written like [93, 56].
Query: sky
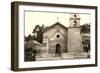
[49, 18]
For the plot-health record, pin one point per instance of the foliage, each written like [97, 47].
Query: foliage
[85, 28]
[37, 33]
[29, 37]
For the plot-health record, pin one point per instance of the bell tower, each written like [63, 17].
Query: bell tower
[74, 20]
[74, 36]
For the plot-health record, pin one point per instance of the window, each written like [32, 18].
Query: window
[75, 15]
[75, 21]
[58, 36]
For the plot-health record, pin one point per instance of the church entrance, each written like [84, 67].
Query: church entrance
[58, 50]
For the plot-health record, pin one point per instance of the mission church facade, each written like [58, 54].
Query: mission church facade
[60, 39]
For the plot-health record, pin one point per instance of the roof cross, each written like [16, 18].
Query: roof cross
[57, 19]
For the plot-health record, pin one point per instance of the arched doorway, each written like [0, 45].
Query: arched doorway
[58, 50]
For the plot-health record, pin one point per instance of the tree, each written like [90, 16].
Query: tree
[38, 32]
[30, 37]
[85, 28]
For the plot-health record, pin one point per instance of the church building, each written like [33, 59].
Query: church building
[61, 39]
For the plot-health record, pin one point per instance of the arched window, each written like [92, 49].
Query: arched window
[75, 15]
[75, 23]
